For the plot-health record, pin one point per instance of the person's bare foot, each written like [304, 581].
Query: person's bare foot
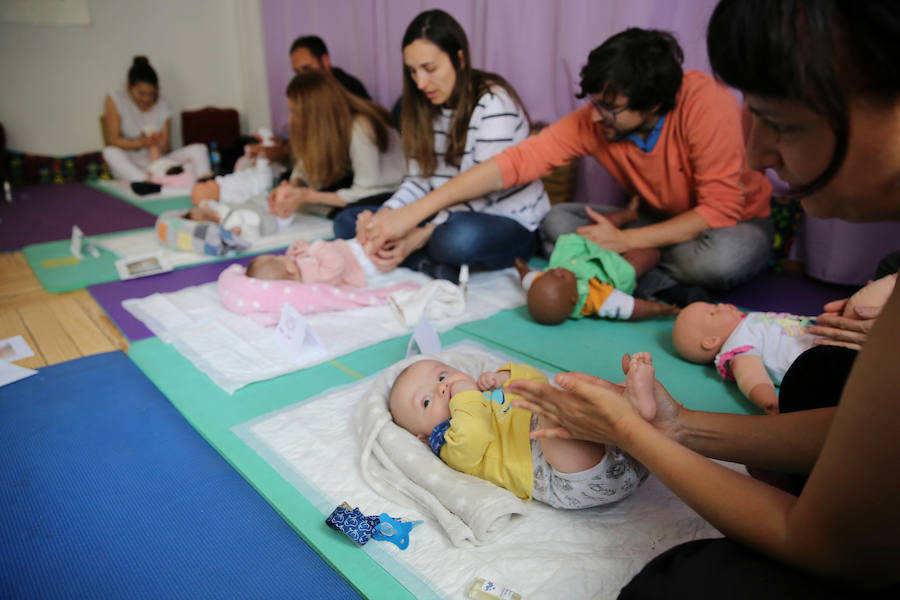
[639, 385]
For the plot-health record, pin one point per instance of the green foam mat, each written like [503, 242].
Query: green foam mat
[59, 271]
[213, 413]
[156, 206]
[596, 346]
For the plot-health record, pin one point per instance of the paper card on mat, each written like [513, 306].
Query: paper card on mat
[76, 242]
[425, 338]
[10, 372]
[296, 337]
[141, 266]
[15, 348]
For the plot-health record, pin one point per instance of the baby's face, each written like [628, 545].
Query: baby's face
[420, 398]
[276, 266]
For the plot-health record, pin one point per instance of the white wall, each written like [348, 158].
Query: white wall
[54, 78]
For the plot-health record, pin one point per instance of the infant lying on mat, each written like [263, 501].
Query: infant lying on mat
[337, 262]
[312, 277]
[473, 427]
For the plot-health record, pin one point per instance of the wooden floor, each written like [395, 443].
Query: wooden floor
[58, 327]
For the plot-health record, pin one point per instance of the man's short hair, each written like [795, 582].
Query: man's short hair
[643, 65]
[313, 43]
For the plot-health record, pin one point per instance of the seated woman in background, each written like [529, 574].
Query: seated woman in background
[453, 117]
[345, 148]
[137, 126]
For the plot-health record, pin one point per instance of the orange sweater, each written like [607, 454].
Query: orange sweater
[698, 162]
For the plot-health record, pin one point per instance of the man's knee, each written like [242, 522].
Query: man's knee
[562, 219]
[717, 260]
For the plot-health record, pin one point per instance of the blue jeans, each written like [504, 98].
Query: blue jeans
[720, 258]
[465, 238]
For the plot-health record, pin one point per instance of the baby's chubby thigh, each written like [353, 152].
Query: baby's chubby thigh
[612, 477]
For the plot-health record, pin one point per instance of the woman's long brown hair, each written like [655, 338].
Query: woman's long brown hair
[418, 113]
[322, 117]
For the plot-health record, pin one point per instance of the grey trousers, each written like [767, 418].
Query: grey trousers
[720, 258]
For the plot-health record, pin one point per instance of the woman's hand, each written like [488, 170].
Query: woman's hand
[285, 199]
[390, 256]
[591, 408]
[837, 330]
[385, 227]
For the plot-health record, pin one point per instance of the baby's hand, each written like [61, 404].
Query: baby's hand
[492, 380]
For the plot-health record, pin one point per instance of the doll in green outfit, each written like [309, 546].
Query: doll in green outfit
[472, 426]
[584, 279]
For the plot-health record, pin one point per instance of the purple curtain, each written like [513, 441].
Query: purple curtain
[538, 45]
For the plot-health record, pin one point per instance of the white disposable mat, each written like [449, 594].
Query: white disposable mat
[235, 350]
[139, 243]
[547, 554]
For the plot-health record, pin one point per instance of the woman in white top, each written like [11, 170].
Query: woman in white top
[453, 117]
[345, 149]
[137, 126]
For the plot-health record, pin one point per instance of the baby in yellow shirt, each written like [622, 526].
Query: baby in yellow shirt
[473, 427]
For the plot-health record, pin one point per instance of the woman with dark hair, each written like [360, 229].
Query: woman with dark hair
[345, 149]
[453, 117]
[822, 82]
[137, 126]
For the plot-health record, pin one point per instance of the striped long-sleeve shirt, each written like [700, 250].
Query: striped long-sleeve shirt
[496, 124]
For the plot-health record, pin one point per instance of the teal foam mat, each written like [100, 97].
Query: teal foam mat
[155, 207]
[592, 346]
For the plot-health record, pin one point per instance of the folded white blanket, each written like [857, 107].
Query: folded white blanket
[438, 300]
[398, 466]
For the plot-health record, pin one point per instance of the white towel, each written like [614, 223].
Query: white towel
[398, 466]
[437, 300]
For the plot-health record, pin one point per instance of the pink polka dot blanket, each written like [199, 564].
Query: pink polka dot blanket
[263, 299]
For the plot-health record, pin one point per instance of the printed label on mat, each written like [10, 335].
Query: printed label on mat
[295, 336]
[425, 338]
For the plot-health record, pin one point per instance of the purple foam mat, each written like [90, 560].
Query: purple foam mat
[110, 295]
[46, 212]
[794, 293]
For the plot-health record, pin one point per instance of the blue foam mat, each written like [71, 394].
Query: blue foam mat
[107, 492]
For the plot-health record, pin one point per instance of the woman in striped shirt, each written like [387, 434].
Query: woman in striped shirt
[453, 117]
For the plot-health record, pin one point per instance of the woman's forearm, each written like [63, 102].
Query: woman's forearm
[741, 507]
[481, 179]
[789, 442]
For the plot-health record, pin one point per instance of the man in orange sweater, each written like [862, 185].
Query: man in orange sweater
[672, 140]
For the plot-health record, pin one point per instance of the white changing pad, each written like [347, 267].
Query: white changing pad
[234, 350]
[122, 188]
[139, 243]
[548, 553]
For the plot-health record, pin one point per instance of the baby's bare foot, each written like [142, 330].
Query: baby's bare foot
[639, 385]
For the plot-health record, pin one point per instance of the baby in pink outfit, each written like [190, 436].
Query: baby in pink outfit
[335, 262]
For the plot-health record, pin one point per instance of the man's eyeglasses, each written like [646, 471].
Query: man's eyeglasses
[607, 113]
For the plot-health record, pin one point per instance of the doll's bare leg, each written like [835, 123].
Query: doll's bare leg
[642, 259]
[645, 309]
[570, 456]
[522, 267]
[639, 385]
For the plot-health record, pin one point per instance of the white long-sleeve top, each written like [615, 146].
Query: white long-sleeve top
[496, 124]
[374, 172]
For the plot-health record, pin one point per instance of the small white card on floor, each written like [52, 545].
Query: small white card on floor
[142, 266]
[425, 338]
[10, 372]
[15, 348]
[296, 337]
